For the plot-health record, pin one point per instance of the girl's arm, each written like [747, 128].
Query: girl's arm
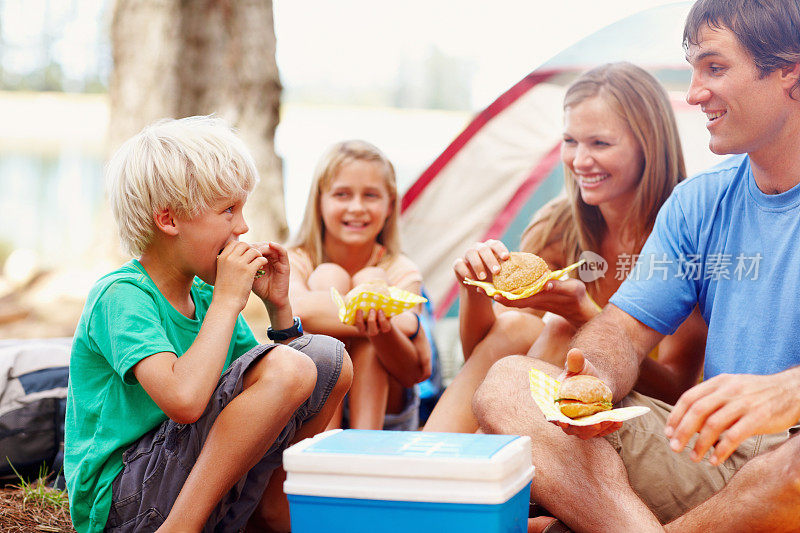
[679, 364]
[316, 309]
[407, 360]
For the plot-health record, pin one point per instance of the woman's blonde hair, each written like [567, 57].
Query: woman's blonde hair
[311, 234]
[186, 165]
[640, 99]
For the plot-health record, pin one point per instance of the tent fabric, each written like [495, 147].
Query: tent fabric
[461, 202]
[504, 166]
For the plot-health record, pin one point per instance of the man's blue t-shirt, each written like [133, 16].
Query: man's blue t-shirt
[720, 242]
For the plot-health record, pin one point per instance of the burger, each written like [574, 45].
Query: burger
[583, 396]
[520, 271]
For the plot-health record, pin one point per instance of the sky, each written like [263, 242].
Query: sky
[342, 45]
[361, 41]
[349, 43]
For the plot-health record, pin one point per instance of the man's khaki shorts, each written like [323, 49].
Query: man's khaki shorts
[671, 483]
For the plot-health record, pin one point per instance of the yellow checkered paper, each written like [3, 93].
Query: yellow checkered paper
[491, 290]
[544, 391]
[399, 300]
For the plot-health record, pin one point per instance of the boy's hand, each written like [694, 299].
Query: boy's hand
[273, 285]
[237, 265]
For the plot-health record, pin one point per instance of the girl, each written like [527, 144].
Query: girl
[349, 235]
[622, 158]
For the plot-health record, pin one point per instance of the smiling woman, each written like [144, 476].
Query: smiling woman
[622, 158]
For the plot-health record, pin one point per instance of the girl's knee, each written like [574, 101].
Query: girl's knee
[513, 332]
[369, 274]
[361, 348]
[329, 275]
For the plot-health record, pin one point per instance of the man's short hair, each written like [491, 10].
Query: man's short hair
[186, 165]
[768, 29]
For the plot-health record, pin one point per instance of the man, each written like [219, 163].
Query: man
[737, 225]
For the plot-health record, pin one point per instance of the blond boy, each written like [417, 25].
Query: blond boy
[176, 417]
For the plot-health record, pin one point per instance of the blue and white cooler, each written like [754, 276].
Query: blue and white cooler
[359, 481]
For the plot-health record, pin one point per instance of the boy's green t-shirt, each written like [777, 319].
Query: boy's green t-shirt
[125, 319]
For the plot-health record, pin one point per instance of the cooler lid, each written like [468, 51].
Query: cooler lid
[410, 466]
[411, 443]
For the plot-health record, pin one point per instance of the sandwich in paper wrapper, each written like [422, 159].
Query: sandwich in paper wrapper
[521, 275]
[391, 300]
[544, 391]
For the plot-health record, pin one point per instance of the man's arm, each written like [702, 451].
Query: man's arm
[614, 345]
[610, 347]
[679, 363]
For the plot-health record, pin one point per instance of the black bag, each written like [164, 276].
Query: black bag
[33, 399]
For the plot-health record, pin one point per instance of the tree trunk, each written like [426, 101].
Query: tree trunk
[176, 58]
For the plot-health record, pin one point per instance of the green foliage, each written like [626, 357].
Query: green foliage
[38, 494]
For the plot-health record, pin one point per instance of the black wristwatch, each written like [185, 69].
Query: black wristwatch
[283, 334]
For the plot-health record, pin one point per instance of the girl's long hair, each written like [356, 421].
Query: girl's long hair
[311, 235]
[641, 100]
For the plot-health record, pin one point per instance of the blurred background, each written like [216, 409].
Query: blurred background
[79, 76]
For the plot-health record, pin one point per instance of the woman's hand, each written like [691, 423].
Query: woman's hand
[567, 298]
[481, 261]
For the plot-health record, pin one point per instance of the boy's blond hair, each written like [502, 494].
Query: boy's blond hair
[185, 164]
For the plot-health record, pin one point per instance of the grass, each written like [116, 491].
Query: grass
[32, 506]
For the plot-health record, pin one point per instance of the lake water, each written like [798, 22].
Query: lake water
[51, 161]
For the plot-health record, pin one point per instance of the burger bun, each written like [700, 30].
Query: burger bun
[583, 395]
[520, 271]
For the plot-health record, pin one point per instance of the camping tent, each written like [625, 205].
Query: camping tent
[505, 164]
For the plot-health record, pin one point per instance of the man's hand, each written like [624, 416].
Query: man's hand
[237, 265]
[727, 409]
[576, 364]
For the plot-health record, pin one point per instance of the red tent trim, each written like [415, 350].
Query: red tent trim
[524, 192]
[507, 215]
[495, 108]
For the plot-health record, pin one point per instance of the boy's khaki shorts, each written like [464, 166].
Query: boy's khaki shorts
[671, 483]
[157, 465]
